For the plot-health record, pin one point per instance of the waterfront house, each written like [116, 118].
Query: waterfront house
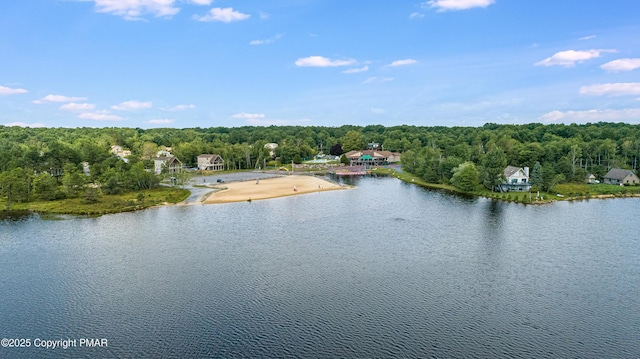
[172, 164]
[210, 162]
[621, 177]
[517, 179]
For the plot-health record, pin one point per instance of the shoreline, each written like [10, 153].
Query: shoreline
[496, 196]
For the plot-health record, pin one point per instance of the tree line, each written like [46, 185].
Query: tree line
[46, 163]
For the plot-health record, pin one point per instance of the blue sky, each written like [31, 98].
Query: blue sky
[204, 63]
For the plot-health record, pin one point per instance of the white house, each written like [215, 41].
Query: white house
[210, 162]
[172, 164]
[517, 179]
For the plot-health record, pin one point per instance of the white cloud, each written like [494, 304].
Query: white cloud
[402, 63]
[629, 114]
[22, 124]
[134, 9]
[614, 89]
[320, 61]
[375, 79]
[454, 5]
[58, 98]
[270, 40]
[10, 91]
[77, 107]
[160, 121]
[201, 2]
[356, 70]
[377, 111]
[179, 108]
[416, 15]
[587, 37]
[264, 15]
[99, 116]
[267, 122]
[222, 14]
[248, 116]
[621, 65]
[132, 105]
[570, 57]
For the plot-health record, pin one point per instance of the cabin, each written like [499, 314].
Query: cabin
[370, 158]
[210, 162]
[591, 179]
[621, 177]
[517, 179]
[172, 164]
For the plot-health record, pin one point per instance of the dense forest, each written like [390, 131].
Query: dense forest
[46, 163]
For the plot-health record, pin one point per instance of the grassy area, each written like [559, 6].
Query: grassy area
[592, 190]
[125, 202]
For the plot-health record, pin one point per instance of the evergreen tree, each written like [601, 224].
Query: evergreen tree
[493, 165]
[536, 178]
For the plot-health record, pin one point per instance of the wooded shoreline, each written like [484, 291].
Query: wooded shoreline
[44, 167]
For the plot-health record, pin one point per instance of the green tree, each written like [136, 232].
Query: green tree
[46, 187]
[91, 195]
[465, 176]
[493, 165]
[353, 141]
[15, 185]
[548, 175]
[111, 183]
[73, 180]
[447, 165]
[138, 178]
[536, 175]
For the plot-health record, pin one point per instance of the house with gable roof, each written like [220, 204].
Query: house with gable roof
[621, 177]
[517, 179]
[210, 162]
[172, 164]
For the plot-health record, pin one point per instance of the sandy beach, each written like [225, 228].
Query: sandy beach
[270, 188]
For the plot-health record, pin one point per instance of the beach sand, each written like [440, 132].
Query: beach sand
[270, 188]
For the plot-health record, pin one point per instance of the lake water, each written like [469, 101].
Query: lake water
[384, 270]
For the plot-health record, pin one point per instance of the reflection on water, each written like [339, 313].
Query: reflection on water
[15, 215]
[384, 270]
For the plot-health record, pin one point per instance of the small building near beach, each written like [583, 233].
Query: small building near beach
[621, 177]
[591, 179]
[210, 162]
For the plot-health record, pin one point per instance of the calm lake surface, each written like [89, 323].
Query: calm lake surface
[384, 270]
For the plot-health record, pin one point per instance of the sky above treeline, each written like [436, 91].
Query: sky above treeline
[209, 63]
